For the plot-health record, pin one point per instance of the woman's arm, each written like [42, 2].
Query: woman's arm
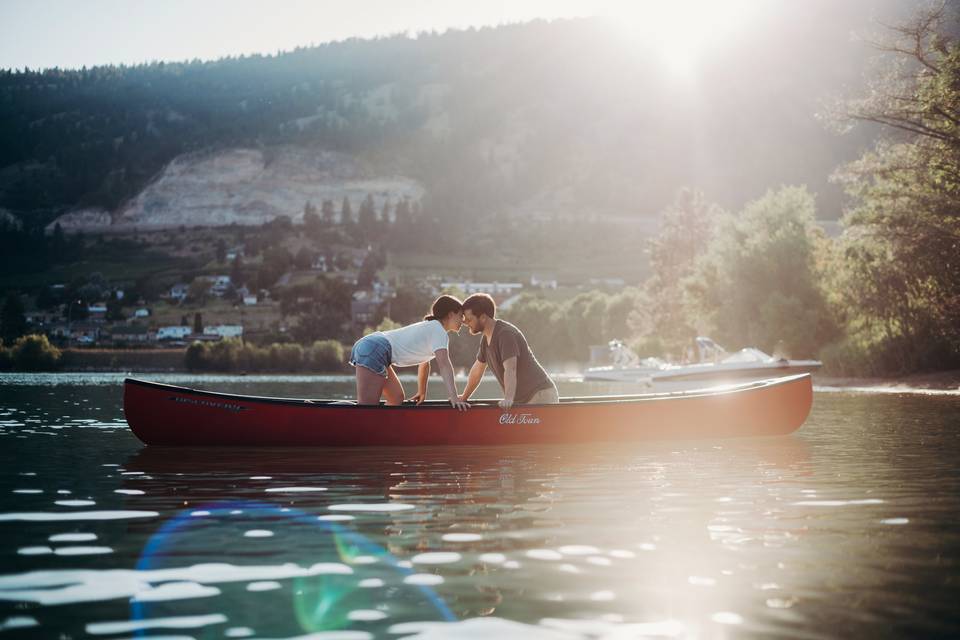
[423, 373]
[446, 372]
[473, 380]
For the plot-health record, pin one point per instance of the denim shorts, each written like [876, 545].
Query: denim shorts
[373, 352]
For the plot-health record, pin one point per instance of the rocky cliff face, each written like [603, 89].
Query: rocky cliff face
[246, 187]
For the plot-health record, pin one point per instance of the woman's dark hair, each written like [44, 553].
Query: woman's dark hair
[443, 306]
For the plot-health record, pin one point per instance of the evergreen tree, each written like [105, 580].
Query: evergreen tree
[58, 244]
[236, 270]
[311, 220]
[221, 251]
[13, 322]
[198, 322]
[367, 218]
[328, 214]
[346, 212]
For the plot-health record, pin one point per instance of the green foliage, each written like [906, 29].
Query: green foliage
[326, 355]
[13, 323]
[32, 353]
[561, 332]
[687, 228]
[321, 309]
[758, 283]
[6, 358]
[899, 282]
[233, 355]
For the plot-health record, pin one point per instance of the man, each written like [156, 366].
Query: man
[504, 349]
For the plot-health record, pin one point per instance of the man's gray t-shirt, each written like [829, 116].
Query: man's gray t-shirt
[507, 342]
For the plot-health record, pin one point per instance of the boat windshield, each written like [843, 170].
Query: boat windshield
[748, 354]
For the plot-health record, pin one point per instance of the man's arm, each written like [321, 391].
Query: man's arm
[509, 382]
[473, 379]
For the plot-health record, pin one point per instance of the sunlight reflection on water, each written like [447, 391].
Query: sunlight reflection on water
[848, 524]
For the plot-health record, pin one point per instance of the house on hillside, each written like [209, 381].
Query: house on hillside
[498, 290]
[173, 332]
[41, 318]
[365, 308]
[97, 312]
[84, 333]
[608, 283]
[143, 312]
[543, 282]
[220, 285]
[179, 291]
[320, 263]
[131, 334]
[224, 330]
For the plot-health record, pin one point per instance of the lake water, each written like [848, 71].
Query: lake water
[846, 529]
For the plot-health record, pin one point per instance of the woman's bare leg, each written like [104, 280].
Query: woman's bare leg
[393, 390]
[369, 386]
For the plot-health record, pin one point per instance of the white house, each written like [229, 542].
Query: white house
[173, 332]
[179, 291]
[543, 282]
[220, 285]
[224, 330]
[495, 289]
[249, 300]
[142, 313]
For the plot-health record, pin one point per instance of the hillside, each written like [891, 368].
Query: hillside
[560, 118]
[246, 187]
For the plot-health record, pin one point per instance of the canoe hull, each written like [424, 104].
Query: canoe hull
[167, 415]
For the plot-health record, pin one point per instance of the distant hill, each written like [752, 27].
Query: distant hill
[566, 118]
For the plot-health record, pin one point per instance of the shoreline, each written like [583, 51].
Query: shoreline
[938, 381]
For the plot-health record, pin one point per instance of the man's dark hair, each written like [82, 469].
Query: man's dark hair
[480, 303]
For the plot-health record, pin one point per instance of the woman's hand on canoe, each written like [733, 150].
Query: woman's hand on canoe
[459, 404]
[417, 398]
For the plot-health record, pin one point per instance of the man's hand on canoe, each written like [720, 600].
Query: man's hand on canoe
[460, 405]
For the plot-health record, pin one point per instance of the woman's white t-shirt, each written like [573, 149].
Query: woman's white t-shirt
[416, 343]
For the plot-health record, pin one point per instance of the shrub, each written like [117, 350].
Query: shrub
[196, 358]
[6, 358]
[225, 354]
[326, 355]
[289, 357]
[34, 353]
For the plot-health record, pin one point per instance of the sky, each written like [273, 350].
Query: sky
[76, 33]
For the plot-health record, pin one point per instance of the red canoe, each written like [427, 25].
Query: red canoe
[166, 415]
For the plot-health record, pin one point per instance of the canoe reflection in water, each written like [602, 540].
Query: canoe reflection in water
[438, 532]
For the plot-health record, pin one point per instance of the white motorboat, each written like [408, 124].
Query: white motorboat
[715, 367]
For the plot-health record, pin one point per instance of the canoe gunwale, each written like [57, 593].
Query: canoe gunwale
[578, 401]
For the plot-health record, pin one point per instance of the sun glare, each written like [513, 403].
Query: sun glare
[684, 31]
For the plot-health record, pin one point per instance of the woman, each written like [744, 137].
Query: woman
[374, 355]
